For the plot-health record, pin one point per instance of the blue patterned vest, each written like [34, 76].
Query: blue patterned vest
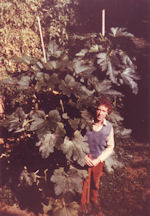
[97, 139]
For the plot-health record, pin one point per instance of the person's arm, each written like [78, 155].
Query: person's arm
[1, 107]
[107, 152]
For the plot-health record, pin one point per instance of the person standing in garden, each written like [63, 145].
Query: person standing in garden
[101, 145]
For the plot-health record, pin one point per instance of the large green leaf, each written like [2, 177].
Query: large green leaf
[76, 148]
[45, 80]
[129, 77]
[68, 182]
[38, 120]
[119, 68]
[106, 64]
[59, 134]
[86, 120]
[42, 80]
[74, 123]
[64, 85]
[24, 82]
[49, 140]
[41, 123]
[53, 119]
[115, 118]
[85, 101]
[71, 86]
[125, 60]
[53, 50]
[102, 60]
[103, 87]
[16, 122]
[47, 144]
[52, 65]
[80, 67]
[118, 32]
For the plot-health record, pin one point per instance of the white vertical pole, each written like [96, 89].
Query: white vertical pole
[103, 22]
[42, 39]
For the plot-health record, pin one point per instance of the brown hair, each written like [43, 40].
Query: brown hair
[106, 102]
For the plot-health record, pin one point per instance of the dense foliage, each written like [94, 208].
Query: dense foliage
[50, 106]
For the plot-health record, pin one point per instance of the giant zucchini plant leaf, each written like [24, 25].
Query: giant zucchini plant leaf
[53, 50]
[54, 80]
[65, 87]
[85, 91]
[47, 81]
[112, 73]
[74, 123]
[49, 140]
[46, 144]
[85, 101]
[38, 120]
[102, 60]
[16, 122]
[41, 123]
[129, 77]
[115, 118]
[68, 182]
[86, 120]
[59, 134]
[125, 60]
[42, 80]
[107, 63]
[24, 82]
[52, 65]
[66, 209]
[53, 119]
[103, 87]
[70, 85]
[76, 148]
[119, 67]
[80, 67]
[119, 32]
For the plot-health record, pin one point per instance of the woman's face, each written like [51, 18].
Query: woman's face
[101, 112]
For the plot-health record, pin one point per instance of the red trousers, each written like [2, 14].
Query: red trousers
[91, 184]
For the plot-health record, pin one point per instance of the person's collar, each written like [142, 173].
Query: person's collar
[105, 122]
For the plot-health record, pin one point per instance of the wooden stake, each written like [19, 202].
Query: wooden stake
[103, 22]
[42, 39]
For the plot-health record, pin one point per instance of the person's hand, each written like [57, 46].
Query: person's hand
[1, 141]
[95, 162]
[88, 161]
[1, 108]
